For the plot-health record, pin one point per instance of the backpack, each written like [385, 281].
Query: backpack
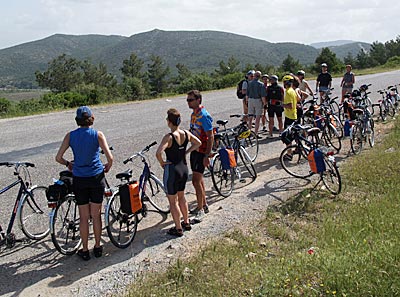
[239, 89]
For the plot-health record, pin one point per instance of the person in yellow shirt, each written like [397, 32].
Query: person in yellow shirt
[289, 101]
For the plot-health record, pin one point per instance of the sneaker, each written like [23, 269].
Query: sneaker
[194, 211]
[259, 136]
[186, 227]
[175, 232]
[275, 129]
[205, 208]
[85, 256]
[264, 128]
[200, 215]
[98, 251]
[270, 136]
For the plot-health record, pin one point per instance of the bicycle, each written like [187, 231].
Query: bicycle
[362, 128]
[223, 177]
[29, 207]
[121, 226]
[386, 106]
[294, 159]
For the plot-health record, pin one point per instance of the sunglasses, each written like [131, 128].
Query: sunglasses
[190, 99]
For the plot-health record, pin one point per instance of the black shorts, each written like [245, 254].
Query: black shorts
[274, 109]
[89, 189]
[196, 161]
[175, 177]
[288, 122]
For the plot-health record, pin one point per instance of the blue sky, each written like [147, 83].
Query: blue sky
[275, 21]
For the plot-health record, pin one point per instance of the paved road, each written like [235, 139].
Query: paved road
[37, 268]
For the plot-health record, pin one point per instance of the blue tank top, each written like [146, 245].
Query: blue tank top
[85, 146]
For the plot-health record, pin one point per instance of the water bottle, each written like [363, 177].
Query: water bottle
[347, 128]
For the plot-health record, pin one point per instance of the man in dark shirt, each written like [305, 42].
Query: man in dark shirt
[324, 81]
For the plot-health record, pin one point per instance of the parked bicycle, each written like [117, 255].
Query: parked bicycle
[295, 158]
[29, 208]
[121, 221]
[385, 105]
[222, 174]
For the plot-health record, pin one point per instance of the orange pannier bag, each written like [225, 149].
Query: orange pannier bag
[129, 198]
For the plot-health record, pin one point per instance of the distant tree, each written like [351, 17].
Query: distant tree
[289, 64]
[133, 88]
[62, 74]
[183, 71]
[98, 76]
[393, 47]
[328, 57]
[157, 75]
[230, 67]
[362, 60]
[377, 54]
[132, 67]
[349, 59]
[265, 69]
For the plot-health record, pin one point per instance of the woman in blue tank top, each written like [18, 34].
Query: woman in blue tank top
[88, 175]
[176, 169]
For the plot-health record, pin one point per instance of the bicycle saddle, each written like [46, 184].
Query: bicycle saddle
[222, 122]
[358, 111]
[313, 131]
[125, 175]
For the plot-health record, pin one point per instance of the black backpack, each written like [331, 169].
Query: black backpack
[239, 89]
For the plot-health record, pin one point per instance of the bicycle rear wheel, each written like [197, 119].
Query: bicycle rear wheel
[64, 226]
[356, 139]
[251, 145]
[371, 133]
[156, 194]
[294, 161]
[331, 177]
[223, 179]
[33, 214]
[121, 227]
[332, 138]
[382, 111]
[246, 160]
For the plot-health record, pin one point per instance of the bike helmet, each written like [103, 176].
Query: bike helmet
[301, 72]
[287, 79]
[274, 77]
[363, 88]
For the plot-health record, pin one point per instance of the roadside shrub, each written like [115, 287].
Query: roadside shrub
[393, 62]
[228, 80]
[133, 89]
[5, 105]
[202, 82]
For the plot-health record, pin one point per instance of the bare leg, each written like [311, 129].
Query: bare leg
[280, 124]
[95, 213]
[257, 124]
[271, 126]
[84, 216]
[176, 215]
[183, 206]
[198, 183]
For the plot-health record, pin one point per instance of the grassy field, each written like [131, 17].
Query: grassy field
[311, 245]
[18, 95]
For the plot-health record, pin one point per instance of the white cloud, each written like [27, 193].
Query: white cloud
[276, 21]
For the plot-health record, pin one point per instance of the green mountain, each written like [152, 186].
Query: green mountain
[198, 50]
[354, 48]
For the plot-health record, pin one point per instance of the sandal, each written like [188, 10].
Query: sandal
[175, 232]
[98, 251]
[186, 227]
[84, 255]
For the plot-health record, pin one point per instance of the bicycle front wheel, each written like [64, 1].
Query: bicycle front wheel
[294, 161]
[371, 133]
[156, 194]
[246, 160]
[121, 227]
[331, 177]
[251, 145]
[331, 137]
[223, 179]
[64, 226]
[356, 139]
[33, 214]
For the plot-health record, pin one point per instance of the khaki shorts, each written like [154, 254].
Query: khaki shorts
[256, 106]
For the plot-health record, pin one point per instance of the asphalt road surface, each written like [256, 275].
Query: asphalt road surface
[37, 269]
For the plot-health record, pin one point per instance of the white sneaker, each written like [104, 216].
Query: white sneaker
[200, 215]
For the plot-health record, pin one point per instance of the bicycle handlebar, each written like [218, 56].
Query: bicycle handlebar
[146, 149]
[17, 164]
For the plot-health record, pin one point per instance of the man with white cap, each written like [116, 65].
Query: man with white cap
[324, 81]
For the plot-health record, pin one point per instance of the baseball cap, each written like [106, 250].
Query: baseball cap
[273, 77]
[324, 65]
[83, 112]
[251, 72]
